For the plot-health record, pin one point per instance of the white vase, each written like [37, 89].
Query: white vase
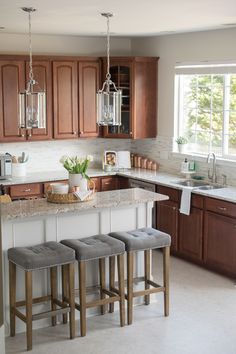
[181, 148]
[77, 180]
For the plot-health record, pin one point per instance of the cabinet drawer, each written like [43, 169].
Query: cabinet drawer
[108, 183]
[23, 190]
[172, 193]
[220, 207]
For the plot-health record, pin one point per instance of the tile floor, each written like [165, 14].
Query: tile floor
[202, 321]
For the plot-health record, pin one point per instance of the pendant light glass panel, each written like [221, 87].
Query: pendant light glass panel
[109, 108]
[32, 110]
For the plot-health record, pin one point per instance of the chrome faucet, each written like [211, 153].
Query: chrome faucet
[212, 175]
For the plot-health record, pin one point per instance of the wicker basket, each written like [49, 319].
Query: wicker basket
[70, 197]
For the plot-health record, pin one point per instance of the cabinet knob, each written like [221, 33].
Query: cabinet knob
[27, 190]
[222, 208]
[81, 132]
[29, 135]
[74, 133]
[22, 135]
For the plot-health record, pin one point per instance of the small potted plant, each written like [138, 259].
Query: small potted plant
[181, 141]
[77, 168]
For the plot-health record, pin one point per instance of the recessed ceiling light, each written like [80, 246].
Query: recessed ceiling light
[2, 27]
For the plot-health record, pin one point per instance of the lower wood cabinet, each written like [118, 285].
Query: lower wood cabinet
[220, 242]
[167, 221]
[108, 183]
[26, 191]
[167, 215]
[191, 234]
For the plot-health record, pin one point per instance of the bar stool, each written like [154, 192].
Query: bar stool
[47, 255]
[143, 239]
[98, 247]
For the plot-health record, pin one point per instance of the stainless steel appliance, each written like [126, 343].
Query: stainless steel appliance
[133, 183]
[5, 166]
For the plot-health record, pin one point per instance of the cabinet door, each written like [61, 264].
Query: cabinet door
[42, 75]
[65, 100]
[191, 234]
[88, 87]
[108, 183]
[167, 220]
[121, 75]
[12, 81]
[220, 242]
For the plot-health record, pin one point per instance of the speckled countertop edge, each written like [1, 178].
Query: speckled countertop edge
[156, 177]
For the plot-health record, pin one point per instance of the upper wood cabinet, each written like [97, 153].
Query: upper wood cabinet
[65, 103]
[14, 77]
[89, 80]
[137, 78]
[12, 81]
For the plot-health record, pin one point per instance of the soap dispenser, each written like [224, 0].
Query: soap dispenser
[185, 165]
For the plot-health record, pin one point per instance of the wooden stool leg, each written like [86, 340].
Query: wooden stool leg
[130, 265]
[82, 295]
[102, 282]
[111, 279]
[12, 295]
[121, 280]
[28, 298]
[65, 277]
[166, 267]
[147, 254]
[53, 279]
[71, 286]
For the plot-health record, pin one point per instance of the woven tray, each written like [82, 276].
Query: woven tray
[70, 197]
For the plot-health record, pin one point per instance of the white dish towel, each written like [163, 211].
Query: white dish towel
[185, 203]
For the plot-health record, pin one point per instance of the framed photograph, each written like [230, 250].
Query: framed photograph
[110, 158]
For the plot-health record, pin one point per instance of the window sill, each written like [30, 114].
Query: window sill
[202, 158]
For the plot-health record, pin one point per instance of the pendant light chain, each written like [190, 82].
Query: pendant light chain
[108, 76]
[31, 77]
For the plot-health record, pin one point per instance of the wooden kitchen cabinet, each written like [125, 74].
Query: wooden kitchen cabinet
[12, 81]
[220, 236]
[137, 78]
[26, 191]
[167, 215]
[65, 99]
[108, 183]
[89, 81]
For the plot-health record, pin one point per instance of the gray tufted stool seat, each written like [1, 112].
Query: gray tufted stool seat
[48, 255]
[91, 248]
[143, 239]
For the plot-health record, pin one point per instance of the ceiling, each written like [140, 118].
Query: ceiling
[131, 17]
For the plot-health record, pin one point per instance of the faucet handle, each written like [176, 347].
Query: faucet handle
[224, 179]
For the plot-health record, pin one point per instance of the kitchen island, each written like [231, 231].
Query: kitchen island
[30, 222]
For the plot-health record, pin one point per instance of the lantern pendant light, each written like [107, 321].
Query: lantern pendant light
[32, 102]
[109, 99]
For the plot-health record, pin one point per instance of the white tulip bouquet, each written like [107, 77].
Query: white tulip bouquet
[76, 164]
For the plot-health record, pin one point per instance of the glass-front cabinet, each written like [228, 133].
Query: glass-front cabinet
[121, 75]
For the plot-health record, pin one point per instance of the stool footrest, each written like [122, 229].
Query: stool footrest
[36, 300]
[101, 302]
[46, 314]
[148, 291]
[20, 315]
[152, 283]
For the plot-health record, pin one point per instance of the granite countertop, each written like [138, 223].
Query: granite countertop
[109, 199]
[156, 177]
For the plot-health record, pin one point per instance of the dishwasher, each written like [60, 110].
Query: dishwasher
[134, 183]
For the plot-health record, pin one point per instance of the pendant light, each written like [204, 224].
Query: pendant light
[32, 102]
[108, 98]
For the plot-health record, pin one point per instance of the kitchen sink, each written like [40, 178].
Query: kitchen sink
[210, 187]
[190, 183]
[198, 184]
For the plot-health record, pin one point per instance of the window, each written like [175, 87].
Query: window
[206, 109]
